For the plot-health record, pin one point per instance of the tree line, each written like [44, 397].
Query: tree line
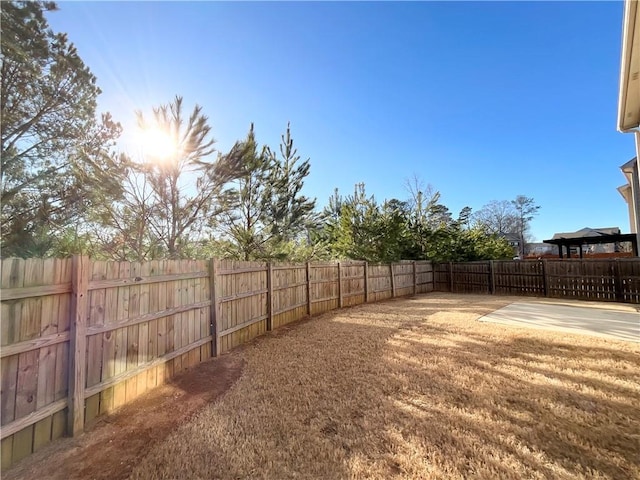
[66, 189]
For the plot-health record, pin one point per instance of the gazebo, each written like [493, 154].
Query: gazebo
[591, 236]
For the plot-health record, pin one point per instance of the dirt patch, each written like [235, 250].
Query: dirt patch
[113, 445]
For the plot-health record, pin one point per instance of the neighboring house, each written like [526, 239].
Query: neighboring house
[514, 241]
[629, 107]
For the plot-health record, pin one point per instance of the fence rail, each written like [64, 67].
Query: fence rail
[611, 280]
[80, 338]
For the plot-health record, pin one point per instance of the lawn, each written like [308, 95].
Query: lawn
[415, 388]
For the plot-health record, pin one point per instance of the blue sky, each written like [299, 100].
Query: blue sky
[483, 100]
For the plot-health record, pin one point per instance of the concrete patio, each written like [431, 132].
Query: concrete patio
[615, 321]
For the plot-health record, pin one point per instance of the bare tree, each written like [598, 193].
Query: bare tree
[498, 216]
[525, 209]
[424, 204]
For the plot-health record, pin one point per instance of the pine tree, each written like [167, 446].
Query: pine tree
[244, 221]
[290, 212]
[53, 148]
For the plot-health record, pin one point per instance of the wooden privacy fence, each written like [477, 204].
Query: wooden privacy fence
[254, 297]
[616, 280]
[81, 337]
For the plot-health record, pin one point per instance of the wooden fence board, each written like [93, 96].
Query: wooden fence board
[244, 301]
[12, 276]
[31, 349]
[108, 339]
[324, 288]
[424, 276]
[289, 293]
[29, 329]
[380, 285]
[629, 277]
[143, 328]
[46, 360]
[121, 335]
[182, 329]
[94, 342]
[352, 284]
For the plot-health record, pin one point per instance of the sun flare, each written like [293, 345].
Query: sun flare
[157, 144]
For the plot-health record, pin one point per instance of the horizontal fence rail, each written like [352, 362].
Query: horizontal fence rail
[611, 280]
[81, 338]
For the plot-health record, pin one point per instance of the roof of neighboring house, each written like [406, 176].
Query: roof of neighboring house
[511, 237]
[587, 232]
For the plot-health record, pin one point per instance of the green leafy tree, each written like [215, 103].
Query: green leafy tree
[460, 242]
[53, 148]
[488, 246]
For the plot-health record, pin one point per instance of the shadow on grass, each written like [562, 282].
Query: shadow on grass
[543, 407]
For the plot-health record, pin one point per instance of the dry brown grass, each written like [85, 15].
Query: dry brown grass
[417, 389]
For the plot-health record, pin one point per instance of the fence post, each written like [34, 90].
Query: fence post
[618, 281]
[393, 281]
[415, 279]
[78, 343]
[213, 284]
[339, 286]
[492, 278]
[269, 297]
[309, 288]
[545, 278]
[451, 277]
[366, 282]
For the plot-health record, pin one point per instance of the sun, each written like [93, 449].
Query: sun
[157, 144]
